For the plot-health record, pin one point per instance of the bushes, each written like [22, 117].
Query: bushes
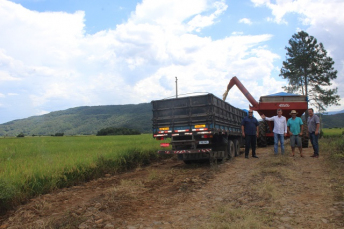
[59, 134]
[117, 131]
[334, 150]
[21, 135]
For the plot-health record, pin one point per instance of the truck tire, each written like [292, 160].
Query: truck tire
[237, 147]
[261, 140]
[305, 138]
[231, 149]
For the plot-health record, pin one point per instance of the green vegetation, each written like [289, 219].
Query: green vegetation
[83, 121]
[117, 131]
[310, 71]
[333, 148]
[333, 132]
[58, 134]
[35, 165]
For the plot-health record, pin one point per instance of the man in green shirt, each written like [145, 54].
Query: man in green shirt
[295, 125]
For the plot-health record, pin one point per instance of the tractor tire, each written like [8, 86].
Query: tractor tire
[261, 140]
[305, 138]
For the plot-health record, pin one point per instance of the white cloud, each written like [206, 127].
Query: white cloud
[237, 33]
[245, 21]
[325, 21]
[49, 60]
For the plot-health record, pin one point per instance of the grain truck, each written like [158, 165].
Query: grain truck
[200, 127]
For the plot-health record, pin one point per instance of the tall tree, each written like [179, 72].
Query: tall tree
[309, 71]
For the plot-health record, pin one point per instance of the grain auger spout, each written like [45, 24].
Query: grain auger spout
[236, 81]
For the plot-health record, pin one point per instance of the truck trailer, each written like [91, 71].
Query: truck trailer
[201, 127]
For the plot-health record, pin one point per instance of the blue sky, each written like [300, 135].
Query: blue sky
[58, 54]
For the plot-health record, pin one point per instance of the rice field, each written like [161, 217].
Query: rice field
[332, 132]
[35, 165]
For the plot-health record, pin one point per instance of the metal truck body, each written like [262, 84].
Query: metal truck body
[200, 127]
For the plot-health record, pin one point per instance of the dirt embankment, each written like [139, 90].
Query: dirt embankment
[269, 192]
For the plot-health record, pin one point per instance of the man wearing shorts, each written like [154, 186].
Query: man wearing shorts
[295, 125]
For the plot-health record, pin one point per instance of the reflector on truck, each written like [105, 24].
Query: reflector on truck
[200, 126]
[164, 144]
[164, 128]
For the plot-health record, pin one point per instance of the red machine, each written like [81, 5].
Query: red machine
[268, 106]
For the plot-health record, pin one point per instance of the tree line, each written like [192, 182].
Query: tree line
[117, 131]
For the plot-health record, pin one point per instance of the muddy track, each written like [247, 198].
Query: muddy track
[269, 192]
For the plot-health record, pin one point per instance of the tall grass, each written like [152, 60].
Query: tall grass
[333, 149]
[333, 132]
[36, 165]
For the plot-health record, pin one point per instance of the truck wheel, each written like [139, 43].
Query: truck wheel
[261, 140]
[231, 148]
[187, 162]
[305, 138]
[237, 147]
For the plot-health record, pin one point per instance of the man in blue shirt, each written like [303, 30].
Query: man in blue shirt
[249, 129]
[295, 125]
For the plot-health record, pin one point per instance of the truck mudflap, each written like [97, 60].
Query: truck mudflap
[185, 151]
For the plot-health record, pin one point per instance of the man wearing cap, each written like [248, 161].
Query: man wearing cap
[295, 125]
[280, 129]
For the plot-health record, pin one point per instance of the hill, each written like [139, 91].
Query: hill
[83, 120]
[332, 121]
[334, 112]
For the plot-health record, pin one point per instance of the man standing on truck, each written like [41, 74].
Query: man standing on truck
[280, 129]
[249, 129]
[313, 122]
[295, 127]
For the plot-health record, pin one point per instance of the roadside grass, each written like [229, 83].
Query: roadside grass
[37, 165]
[333, 149]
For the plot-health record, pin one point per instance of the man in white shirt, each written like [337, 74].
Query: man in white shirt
[280, 129]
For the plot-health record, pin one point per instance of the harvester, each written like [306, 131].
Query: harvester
[268, 106]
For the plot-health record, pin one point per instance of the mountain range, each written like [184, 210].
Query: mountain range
[88, 120]
[84, 120]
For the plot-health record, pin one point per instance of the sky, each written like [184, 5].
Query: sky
[60, 54]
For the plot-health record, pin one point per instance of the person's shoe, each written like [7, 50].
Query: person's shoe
[316, 156]
[246, 157]
[255, 156]
[313, 155]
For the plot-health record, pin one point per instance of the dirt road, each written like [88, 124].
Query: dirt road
[269, 192]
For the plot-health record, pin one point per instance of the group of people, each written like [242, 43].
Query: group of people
[294, 126]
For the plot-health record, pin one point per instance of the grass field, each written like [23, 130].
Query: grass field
[333, 132]
[35, 165]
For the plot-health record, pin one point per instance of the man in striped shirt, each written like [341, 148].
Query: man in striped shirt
[280, 129]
